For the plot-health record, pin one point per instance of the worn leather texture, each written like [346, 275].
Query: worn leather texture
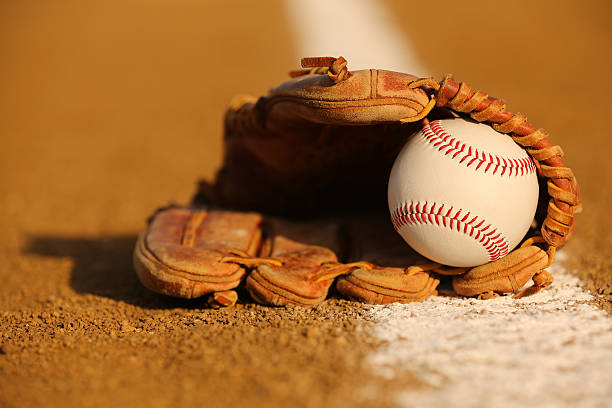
[321, 145]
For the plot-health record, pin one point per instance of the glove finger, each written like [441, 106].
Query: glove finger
[179, 252]
[506, 275]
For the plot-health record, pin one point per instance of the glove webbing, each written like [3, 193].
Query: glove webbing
[562, 186]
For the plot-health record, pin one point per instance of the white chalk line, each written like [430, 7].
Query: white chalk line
[361, 31]
[548, 350]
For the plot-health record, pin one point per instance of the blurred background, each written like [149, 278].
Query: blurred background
[110, 109]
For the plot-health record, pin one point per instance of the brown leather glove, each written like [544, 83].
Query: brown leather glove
[320, 147]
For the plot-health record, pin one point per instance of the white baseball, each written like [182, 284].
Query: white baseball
[462, 194]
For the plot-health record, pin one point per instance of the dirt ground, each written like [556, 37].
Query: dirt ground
[111, 109]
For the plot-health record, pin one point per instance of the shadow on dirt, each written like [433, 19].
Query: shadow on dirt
[103, 267]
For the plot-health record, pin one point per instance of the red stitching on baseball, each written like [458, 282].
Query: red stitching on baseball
[417, 213]
[435, 134]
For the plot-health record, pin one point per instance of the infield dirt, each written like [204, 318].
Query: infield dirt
[109, 110]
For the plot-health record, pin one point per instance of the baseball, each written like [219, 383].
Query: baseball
[462, 194]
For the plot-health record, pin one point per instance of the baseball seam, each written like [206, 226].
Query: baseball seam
[407, 214]
[435, 134]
